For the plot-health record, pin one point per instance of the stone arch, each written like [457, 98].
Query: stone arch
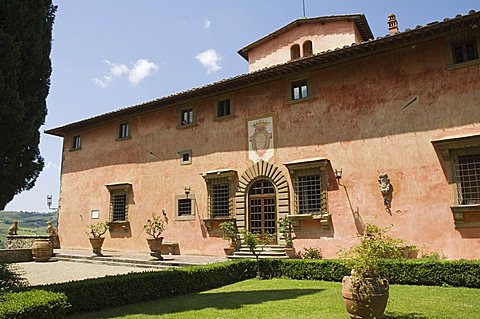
[257, 171]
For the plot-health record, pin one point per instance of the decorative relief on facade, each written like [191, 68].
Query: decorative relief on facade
[260, 139]
[385, 188]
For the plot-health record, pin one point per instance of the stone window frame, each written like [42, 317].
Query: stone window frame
[183, 160]
[220, 177]
[119, 189]
[309, 168]
[217, 106]
[123, 132]
[190, 197]
[462, 37]
[449, 149]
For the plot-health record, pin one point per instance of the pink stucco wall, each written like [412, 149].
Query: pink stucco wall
[355, 117]
[324, 36]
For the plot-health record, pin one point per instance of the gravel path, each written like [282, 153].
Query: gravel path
[63, 271]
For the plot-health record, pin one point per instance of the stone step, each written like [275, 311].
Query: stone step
[235, 256]
[263, 251]
[114, 261]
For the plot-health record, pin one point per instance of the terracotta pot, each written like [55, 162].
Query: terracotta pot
[290, 252]
[155, 245]
[42, 249]
[229, 251]
[360, 306]
[97, 243]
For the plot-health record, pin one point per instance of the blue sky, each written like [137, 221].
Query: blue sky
[108, 54]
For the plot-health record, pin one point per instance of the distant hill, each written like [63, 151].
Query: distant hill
[29, 223]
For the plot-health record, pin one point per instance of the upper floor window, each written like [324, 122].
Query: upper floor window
[465, 50]
[223, 108]
[186, 116]
[307, 48]
[123, 130]
[185, 157]
[294, 52]
[299, 89]
[76, 142]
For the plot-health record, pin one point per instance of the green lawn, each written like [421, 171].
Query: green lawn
[286, 298]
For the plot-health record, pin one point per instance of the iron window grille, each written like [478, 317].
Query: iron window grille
[219, 198]
[118, 206]
[467, 175]
[184, 207]
[299, 89]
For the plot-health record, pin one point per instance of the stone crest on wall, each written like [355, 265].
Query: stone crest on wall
[260, 139]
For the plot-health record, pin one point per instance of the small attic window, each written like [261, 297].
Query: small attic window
[307, 48]
[294, 52]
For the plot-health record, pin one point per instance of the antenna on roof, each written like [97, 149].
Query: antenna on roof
[304, 15]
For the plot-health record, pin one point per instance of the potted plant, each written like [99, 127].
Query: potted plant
[155, 227]
[286, 228]
[230, 233]
[95, 232]
[365, 292]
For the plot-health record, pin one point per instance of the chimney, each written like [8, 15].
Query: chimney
[392, 24]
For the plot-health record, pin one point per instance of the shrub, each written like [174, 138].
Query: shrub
[112, 291]
[9, 279]
[37, 304]
[310, 253]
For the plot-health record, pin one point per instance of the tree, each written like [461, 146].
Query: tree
[25, 68]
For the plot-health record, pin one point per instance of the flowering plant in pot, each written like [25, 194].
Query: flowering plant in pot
[230, 233]
[95, 232]
[365, 292]
[155, 227]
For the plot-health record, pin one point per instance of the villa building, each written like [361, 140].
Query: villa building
[331, 127]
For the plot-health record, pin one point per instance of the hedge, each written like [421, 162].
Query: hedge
[462, 273]
[112, 291]
[33, 304]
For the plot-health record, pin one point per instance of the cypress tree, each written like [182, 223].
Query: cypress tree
[25, 68]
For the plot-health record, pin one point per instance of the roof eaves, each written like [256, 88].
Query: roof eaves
[328, 57]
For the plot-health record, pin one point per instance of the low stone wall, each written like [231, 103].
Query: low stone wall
[26, 241]
[15, 255]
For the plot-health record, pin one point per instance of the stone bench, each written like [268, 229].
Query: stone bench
[170, 248]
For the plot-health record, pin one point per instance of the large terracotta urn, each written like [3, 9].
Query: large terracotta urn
[155, 245]
[97, 243]
[42, 249]
[361, 305]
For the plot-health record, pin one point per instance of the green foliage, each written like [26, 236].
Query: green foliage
[230, 231]
[25, 68]
[98, 229]
[286, 228]
[155, 226]
[310, 253]
[33, 304]
[113, 291]
[9, 279]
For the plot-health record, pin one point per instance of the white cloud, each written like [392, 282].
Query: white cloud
[206, 24]
[210, 59]
[140, 70]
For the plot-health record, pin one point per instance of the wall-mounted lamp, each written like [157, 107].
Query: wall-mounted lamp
[50, 201]
[187, 190]
[338, 174]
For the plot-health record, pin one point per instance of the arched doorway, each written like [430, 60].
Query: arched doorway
[262, 209]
